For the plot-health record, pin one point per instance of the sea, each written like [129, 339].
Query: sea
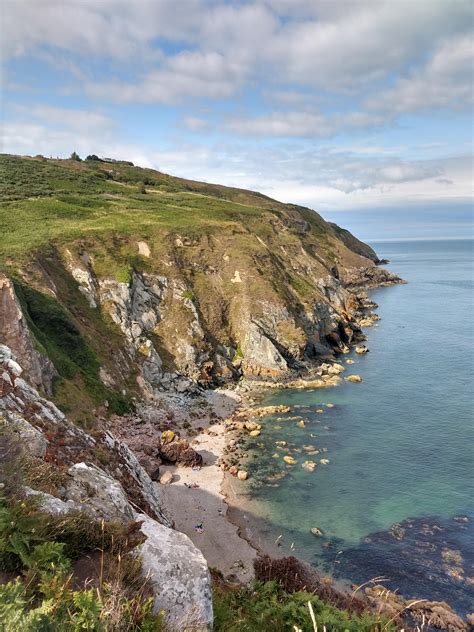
[395, 501]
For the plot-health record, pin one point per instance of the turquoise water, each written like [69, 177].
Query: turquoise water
[400, 443]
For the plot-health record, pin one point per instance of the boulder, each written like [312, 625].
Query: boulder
[90, 485]
[54, 506]
[361, 349]
[289, 459]
[166, 478]
[354, 378]
[175, 450]
[242, 475]
[179, 577]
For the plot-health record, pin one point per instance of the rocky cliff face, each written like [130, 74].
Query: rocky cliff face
[185, 287]
[101, 476]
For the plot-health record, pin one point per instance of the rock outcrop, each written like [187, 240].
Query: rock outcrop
[175, 567]
[180, 577]
[14, 332]
[177, 451]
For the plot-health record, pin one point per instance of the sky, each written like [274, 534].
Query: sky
[359, 109]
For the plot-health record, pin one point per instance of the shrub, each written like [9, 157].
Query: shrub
[43, 548]
[266, 606]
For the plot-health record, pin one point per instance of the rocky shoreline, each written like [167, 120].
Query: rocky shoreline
[233, 549]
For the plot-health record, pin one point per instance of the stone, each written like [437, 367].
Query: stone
[354, 378]
[33, 439]
[90, 485]
[324, 461]
[179, 577]
[166, 478]
[173, 449]
[242, 475]
[289, 459]
[301, 424]
[329, 405]
[361, 349]
[317, 532]
[233, 469]
[310, 466]
[52, 505]
[143, 249]
[254, 433]
[335, 369]
[350, 361]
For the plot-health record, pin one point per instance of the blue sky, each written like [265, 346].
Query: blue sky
[358, 109]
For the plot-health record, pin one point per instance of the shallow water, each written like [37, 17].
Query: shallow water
[400, 443]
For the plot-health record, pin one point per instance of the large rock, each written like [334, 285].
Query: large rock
[55, 506]
[175, 450]
[179, 576]
[90, 485]
[261, 356]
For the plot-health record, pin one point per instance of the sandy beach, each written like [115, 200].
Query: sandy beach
[206, 505]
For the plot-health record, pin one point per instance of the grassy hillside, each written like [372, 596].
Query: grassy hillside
[227, 257]
[46, 200]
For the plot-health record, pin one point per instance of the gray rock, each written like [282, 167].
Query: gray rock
[179, 576]
[90, 485]
[55, 506]
[34, 440]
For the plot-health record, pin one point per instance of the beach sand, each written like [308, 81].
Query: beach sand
[219, 539]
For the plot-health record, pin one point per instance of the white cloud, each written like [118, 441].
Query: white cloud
[195, 124]
[338, 46]
[188, 74]
[31, 139]
[76, 119]
[445, 81]
[283, 124]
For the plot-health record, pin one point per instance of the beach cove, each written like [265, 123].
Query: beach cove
[384, 505]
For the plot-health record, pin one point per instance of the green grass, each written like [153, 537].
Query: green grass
[264, 607]
[41, 550]
[59, 338]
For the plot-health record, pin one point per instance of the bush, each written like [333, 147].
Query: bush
[43, 548]
[265, 606]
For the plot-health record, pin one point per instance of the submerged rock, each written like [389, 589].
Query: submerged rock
[317, 532]
[354, 378]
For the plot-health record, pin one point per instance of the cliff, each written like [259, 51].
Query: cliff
[121, 281]
[125, 295]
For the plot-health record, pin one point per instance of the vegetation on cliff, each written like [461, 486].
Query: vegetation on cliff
[245, 283]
